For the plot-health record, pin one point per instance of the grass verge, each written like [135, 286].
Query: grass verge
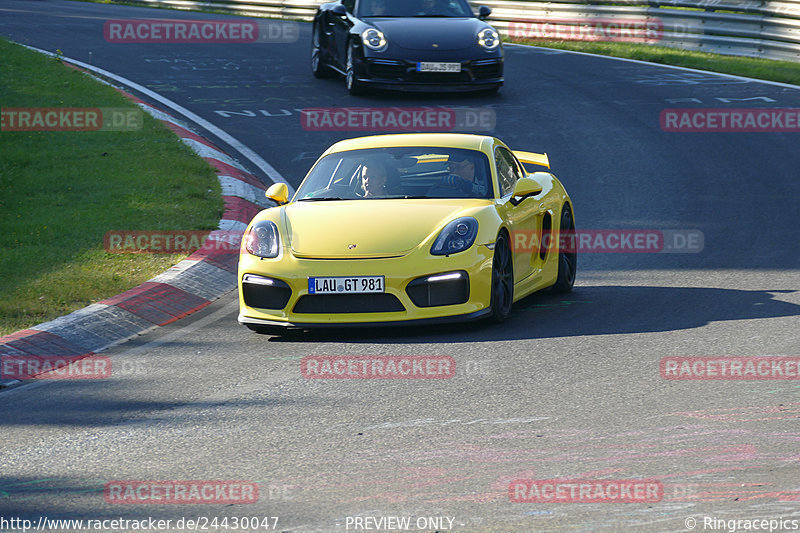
[61, 191]
[763, 69]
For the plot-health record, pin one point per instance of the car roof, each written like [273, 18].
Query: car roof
[448, 140]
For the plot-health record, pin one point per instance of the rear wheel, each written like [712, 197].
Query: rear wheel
[567, 260]
[502, 279]
[318, 66]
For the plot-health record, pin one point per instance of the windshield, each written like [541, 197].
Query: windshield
[414, 8]
[407, 172]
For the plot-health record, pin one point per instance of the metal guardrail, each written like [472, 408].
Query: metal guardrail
[752, 28]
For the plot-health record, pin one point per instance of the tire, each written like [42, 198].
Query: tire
[567, 261]
[318, 66]
[354, 87]
[502, 279]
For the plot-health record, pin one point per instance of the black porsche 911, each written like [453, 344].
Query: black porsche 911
[412, 45]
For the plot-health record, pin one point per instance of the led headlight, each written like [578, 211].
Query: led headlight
[374, 40]
[488, 39]
[456, 236]
[263, 239]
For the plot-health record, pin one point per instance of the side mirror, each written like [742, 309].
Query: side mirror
[339, 10]
[278, 192]
[484, 12]
[525, 187]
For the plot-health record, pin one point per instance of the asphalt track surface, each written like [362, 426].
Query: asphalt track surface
[569, 387]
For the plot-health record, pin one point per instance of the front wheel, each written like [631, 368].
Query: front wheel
[502, 279]
[318, 66]
[567, 260]
[354, 87]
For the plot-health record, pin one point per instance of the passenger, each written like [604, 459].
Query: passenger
[462, 177]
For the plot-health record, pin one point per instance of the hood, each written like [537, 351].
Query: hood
[420, 33]
[377, 228]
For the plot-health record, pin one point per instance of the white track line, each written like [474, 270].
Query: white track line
[640, 62]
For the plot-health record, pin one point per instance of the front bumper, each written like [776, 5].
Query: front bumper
[475, 75]
[477, 315]
[395, 306]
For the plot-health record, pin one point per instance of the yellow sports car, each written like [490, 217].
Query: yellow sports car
[408, 228]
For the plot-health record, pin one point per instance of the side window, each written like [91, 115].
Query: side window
[508, 171]
[349, 5]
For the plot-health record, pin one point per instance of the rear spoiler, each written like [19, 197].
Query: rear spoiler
[533, 158]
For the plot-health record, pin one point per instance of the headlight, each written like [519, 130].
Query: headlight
[488, 39]
[374, 40]
[456, 237]
[263, 239]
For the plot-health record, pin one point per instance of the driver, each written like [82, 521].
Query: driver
[373, 179]
[462, 177]
[434, 7]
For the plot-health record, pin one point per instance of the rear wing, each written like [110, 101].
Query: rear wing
[533, 158]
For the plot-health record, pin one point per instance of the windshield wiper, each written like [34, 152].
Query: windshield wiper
[323, 199]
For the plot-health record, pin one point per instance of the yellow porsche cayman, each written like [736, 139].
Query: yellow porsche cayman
[408, 228]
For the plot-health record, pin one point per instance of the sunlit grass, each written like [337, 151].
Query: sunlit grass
[60, 192]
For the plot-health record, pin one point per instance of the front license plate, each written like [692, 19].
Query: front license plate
[345, 285]
[438, 67]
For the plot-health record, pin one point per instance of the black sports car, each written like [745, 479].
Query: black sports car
[416, 45]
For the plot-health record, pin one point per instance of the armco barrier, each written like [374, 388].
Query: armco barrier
[752, 28]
